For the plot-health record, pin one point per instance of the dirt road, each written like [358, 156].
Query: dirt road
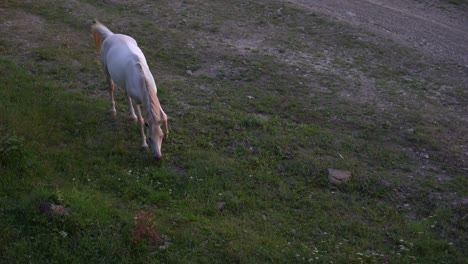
[436, 28]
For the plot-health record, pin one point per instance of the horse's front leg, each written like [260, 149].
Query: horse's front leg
[144, 145]
[164, 118]
[131, 109]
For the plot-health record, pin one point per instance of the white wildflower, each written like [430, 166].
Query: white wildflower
[63, 233]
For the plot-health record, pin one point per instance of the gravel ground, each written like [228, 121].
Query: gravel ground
[436, 28]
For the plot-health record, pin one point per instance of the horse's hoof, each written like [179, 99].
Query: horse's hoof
[113, 113]
[145, 148]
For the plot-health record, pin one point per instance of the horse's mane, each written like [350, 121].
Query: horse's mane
[153, 107]
[153, 111]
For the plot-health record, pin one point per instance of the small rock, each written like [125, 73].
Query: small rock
[189, 73]
[407, 78]
[351, 14]
[51, 209]
[166, 242]
[338, 176]
[264, 217]
[166, 238]
[165, 246]
[386, 183]
[220, 206]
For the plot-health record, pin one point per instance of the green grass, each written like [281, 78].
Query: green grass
[258, 136]
[458, 2]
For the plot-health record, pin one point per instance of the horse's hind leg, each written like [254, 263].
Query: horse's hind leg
[131, 110]
[111, 93]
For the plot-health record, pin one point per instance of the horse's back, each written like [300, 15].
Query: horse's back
[120, 44]
[121, 58]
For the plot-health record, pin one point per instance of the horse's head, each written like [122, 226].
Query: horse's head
[156, 136]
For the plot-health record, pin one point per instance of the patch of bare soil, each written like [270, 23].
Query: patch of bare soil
[122, 2]
[21, 29]
[437, 28]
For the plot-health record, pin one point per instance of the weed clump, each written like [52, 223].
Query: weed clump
[144, 227]
[13, 155]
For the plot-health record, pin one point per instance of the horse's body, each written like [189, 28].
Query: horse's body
[125, 65]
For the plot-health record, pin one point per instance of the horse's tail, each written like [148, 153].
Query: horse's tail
[100, 33]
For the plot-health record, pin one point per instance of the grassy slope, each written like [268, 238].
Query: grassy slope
[265, 157]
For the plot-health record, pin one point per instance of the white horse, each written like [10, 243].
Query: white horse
[125, 65]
